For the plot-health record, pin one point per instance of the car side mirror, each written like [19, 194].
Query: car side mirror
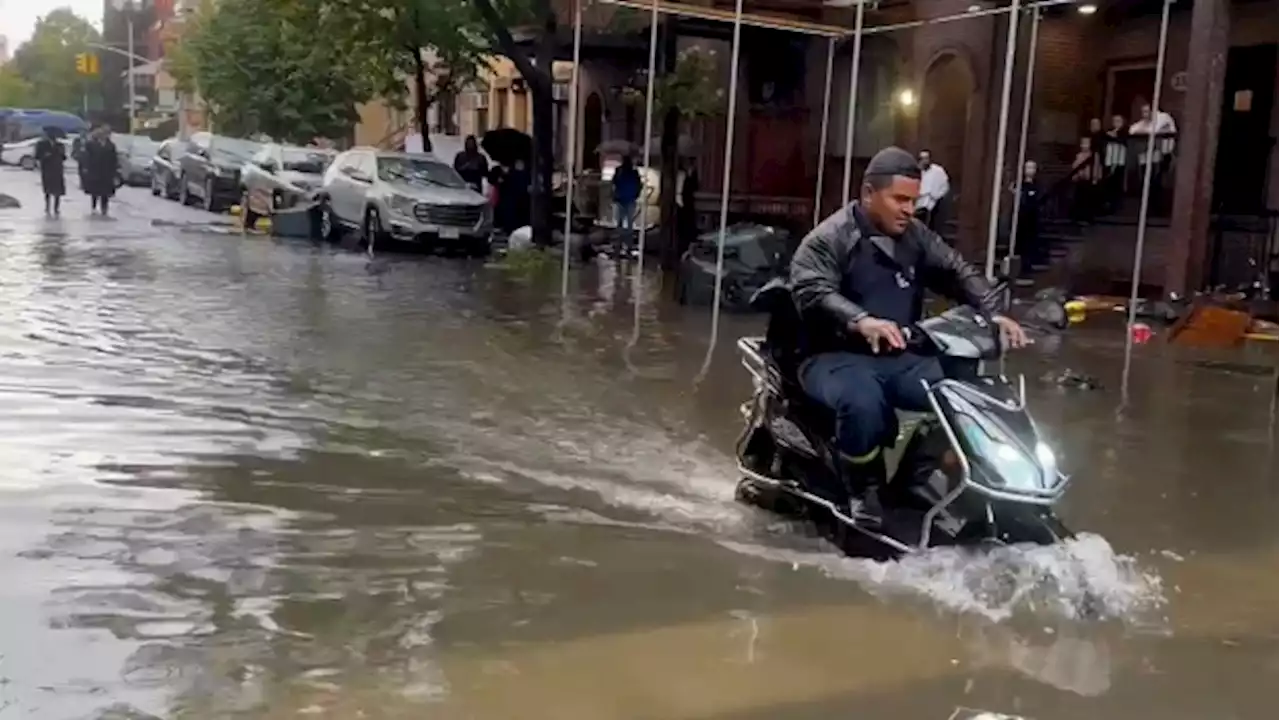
[359, 176]
[267, 165]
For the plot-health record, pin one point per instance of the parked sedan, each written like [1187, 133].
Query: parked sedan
[406, 197]
[23, 152]
[136, 153]
[281, 177]
[210, 170]
[165, 167]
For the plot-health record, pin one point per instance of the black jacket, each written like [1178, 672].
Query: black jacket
[824, 259]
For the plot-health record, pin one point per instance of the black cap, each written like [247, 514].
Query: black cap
[890, 162]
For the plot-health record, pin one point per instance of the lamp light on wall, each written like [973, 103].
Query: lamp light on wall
[906, 98]
[1087, 9]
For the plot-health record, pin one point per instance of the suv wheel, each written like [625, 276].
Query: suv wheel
[208, 202]
[372, 234]
[248, 218]
[328, 223]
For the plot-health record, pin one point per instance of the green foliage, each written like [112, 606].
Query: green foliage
[265, 67]
[691, 88]
[297, 69]
[44, 68]
[15, 91]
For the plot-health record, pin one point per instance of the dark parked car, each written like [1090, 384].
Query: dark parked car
[164, 168]
[136, 154]
[210, 170]
[753, 255]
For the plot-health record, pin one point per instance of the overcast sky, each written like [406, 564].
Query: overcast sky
[18, 17]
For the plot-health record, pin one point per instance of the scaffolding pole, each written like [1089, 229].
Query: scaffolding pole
[1002, 129]
[1022, 138]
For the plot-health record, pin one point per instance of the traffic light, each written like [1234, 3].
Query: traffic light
[86, 63]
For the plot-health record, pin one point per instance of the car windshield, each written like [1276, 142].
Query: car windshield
[233, 149]
[143, 147]
[305, 160]
[418, 171]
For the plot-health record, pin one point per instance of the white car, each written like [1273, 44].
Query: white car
[405, 197]
[23, 153]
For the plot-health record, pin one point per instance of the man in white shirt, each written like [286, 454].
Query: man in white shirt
[1160, 124]
[934, 186]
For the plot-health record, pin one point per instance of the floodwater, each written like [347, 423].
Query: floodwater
[256, 479]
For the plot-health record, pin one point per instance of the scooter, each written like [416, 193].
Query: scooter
[972, 471]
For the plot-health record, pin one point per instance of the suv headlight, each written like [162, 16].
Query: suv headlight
[401, 205]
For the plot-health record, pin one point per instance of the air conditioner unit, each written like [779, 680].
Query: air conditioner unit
[560, 92]
[480, 100]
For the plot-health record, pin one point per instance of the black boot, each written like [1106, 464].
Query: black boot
[864, 481]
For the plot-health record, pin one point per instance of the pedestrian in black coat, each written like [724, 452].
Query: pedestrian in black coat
[52, 157]
[102, 164]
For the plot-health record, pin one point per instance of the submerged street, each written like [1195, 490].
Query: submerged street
[257, 478]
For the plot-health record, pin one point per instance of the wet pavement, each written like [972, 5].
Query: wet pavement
[249, 478]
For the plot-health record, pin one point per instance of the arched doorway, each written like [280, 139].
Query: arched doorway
[592, 131]
[945, 114]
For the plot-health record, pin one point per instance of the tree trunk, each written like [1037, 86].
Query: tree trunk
[670, 241]
[544, 133]
[423, 101]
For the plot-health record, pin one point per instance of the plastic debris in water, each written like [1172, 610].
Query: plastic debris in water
[1071, 379]
[1141, 333]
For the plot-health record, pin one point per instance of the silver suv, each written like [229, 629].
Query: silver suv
[405, 197]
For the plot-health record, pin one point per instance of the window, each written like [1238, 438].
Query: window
[418, 171]
[302, 160]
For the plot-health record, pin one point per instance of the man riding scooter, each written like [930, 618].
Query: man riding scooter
[857, 279]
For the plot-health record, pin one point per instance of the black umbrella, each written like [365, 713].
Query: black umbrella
[506, 145]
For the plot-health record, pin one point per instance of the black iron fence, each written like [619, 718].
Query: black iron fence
[1242, 254]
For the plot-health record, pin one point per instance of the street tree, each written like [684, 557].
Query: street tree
[47, 62]
[268, 67]
[438, 45]
[537, 20]
[15, 91]
[688, 91]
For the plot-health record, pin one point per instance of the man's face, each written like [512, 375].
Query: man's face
[925, 160]
[1117, 122]
[1146, 112]
[891, 207]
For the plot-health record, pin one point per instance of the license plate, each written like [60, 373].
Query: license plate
[448, 234]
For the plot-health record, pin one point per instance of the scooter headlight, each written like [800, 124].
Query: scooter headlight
[1006, 463]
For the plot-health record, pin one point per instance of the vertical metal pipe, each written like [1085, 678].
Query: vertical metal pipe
[854, 61]
[1144, 206]
[822, 142]
[1022, 139]
[648, 138]
[571, 162]
[133, 93]
[1002, 129]
[726, 177]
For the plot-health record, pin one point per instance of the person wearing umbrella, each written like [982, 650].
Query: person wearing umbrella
[51, 156]
[471, 164]
[626, 189]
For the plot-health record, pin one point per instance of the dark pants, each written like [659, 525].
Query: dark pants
[864, 390]
[99, 201]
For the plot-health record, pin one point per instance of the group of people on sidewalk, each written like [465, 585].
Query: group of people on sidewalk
[98, 164]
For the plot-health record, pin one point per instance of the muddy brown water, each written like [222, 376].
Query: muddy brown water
[251, 479]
